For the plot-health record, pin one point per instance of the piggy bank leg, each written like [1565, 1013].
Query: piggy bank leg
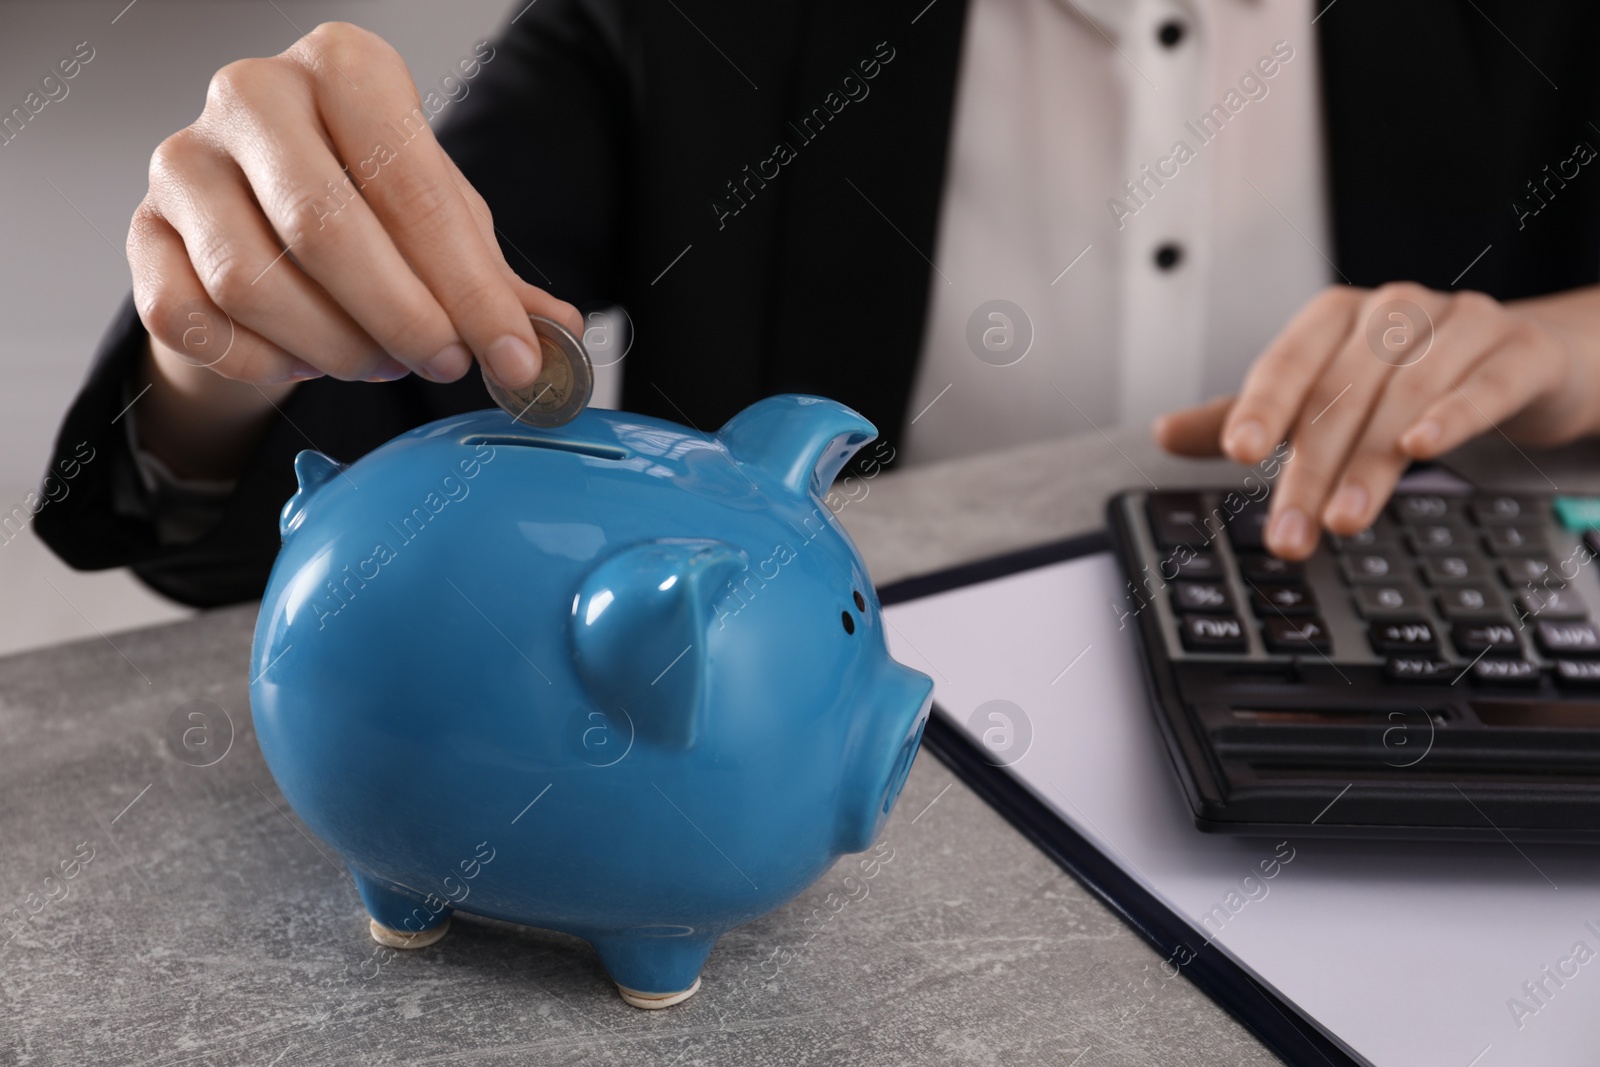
[401, 918]
[654, 971]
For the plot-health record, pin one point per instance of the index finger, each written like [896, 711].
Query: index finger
[397, 166]
[1279, 381]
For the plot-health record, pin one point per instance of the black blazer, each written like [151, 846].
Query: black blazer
[630, 155]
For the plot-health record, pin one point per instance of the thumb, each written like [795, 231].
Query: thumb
[1195, 431]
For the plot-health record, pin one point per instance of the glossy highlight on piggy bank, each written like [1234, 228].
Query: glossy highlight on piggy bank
[619, 678]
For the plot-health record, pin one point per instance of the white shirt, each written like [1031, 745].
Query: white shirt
[1060, 105]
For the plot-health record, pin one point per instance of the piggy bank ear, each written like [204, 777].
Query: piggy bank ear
[311, 469]
[639, 632]
[803, 441]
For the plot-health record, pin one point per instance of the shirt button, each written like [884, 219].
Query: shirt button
[1169, 255]
[1170, 33]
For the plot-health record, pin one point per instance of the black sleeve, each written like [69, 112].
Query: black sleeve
[541, 134]
[537, 133]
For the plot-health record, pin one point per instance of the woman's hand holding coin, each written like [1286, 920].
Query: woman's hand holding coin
[275, 246]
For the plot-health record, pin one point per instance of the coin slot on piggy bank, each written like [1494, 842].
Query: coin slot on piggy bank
[533, 439]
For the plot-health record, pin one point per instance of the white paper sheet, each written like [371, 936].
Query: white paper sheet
[1407, 953]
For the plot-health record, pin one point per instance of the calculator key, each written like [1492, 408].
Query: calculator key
[1197, 566]
[1247, 531]
[1375, 566]
[1295, 635]
[1420, 669]
[1515, 540]
[1378, 535]
[1471, 638]
[1402, 635]
[1455, 570]
[1260, 567]
[1423, 507]
[1440, 537]
[1578, 512]
[1503, 670]
[1578, 672]
[1208, 597]
[1553, 604]
[1566, 638]
[1275, 599]
[1524, 569]
[1471, 602]
[1394, 600]
[1176, 519]
[1212, 633]
[1502, 510]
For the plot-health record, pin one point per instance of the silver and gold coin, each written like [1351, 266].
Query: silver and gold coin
[564, 385]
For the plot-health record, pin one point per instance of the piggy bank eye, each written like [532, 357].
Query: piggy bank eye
[861, 602]
[849, 622]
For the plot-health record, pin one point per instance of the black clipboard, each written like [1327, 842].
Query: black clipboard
[1277, 1024]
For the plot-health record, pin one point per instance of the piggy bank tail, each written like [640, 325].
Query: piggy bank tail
[311, 470]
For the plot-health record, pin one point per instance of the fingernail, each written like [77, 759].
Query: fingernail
[1246, 441]
[1348, 504]
[511, 361]
[1290, 529]
[1423, 435]
[389, 370]
[301, 371]
[451, 363]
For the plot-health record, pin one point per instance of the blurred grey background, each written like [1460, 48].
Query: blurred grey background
[68, 184]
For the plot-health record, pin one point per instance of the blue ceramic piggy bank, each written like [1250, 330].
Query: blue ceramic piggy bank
[620, 679]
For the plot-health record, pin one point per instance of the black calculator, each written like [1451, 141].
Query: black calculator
[1434, 676]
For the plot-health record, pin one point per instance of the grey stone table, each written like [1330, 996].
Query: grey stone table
[203, 925]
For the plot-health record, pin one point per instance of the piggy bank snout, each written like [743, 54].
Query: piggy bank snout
[910, 698]
[892, 718]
